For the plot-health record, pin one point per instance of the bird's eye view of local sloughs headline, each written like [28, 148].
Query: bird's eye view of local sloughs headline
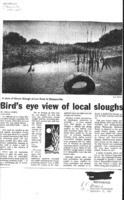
[55, 57]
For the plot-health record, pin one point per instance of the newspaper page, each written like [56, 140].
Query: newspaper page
[61, 100]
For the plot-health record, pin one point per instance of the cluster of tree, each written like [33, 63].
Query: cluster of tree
[50, 43]
[114, 37]
[14, 38]
[33, 41]
[88, 44]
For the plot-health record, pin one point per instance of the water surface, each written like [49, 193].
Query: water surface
[48, 78]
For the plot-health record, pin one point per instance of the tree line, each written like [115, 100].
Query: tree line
[114, 37]
[15, 38]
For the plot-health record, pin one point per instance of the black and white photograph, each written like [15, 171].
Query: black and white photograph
[62, 57]
[52, 136]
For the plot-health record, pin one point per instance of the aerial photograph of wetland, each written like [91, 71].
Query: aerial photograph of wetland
[62, 57]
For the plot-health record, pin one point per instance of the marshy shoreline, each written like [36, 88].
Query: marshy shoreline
[21, 55]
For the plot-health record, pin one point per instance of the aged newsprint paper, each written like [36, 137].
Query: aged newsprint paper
[61, 100]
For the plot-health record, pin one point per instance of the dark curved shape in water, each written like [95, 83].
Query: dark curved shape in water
[79, 77]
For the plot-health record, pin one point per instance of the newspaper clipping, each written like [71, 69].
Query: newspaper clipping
[60, 106]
